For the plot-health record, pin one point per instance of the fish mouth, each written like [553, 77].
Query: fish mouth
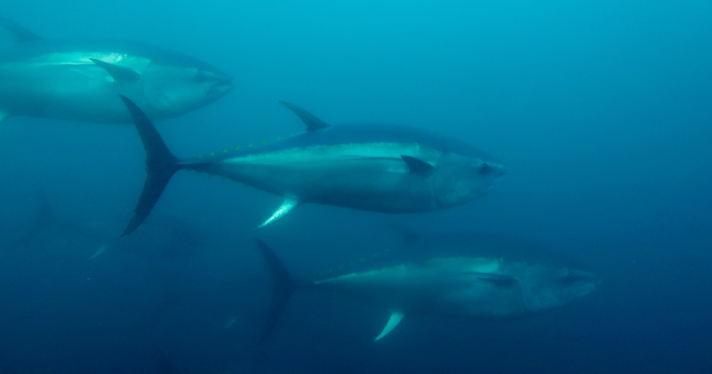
[219, 89]
[217, 84]
[222, 79]
[492, 169]
[587, 288]
[222, 88]
[588, 281]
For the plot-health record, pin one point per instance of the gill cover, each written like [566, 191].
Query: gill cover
[460, 179]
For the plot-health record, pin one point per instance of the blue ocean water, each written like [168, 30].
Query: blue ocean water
[600, 110]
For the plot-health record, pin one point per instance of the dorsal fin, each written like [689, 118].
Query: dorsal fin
[18, 33]
[418, 166]
[119, 73]
[313, 123]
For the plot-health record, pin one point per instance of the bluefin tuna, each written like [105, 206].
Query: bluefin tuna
[80, 79]
[391, 169]
[478, 277]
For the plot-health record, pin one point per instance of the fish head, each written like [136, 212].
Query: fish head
[548, 288]
[459, 179]
[172, 89]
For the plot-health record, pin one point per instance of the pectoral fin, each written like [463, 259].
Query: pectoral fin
[119, 73]
[418, 166]
[498, 280]
[285, 208]
[395, 319]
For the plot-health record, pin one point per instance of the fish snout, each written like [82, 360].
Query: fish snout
[586, 281]
[217, 83]
[492, 169]
[223, 84]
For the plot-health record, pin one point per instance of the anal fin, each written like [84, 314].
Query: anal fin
[395, 319]
[285, 208]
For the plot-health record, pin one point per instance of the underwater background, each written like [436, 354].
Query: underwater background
[601, 112]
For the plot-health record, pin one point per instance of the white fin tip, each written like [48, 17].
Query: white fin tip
[285, 208]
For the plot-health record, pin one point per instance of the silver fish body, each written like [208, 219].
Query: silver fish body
[80, 79]
[392, 169]
[484, 277]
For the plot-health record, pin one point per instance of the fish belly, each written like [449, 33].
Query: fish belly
[480, 301]
[73, 92]
[382, 185]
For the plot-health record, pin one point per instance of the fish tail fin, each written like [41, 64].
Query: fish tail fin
[282, 288]
[161, 164]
